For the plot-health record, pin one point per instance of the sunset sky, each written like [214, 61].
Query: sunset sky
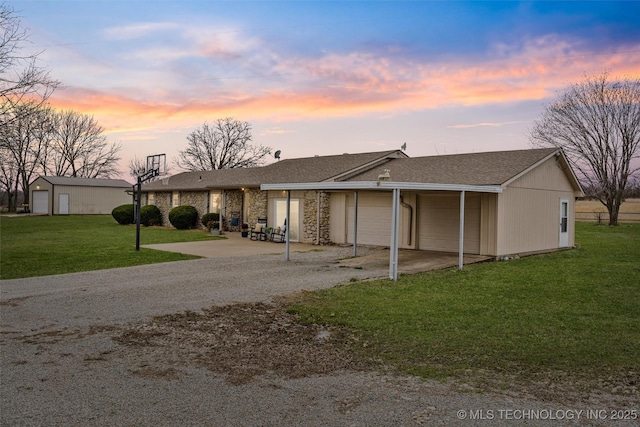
[330, 77]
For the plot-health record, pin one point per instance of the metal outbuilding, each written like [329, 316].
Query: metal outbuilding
[62, 195]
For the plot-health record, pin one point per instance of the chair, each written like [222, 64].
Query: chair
[258, 231]
[279, 234]
[235, 221]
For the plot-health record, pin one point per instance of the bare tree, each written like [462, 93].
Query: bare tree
[597, 123]
[24, 140]
[137, 167]
[225, 144]
[80, 149]
[21, 79]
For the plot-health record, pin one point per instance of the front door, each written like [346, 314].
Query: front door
[294, 220]
[564, 223]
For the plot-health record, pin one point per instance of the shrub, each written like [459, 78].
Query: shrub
[150, 215]
[123, 214]
[183, 217]
[211, 220]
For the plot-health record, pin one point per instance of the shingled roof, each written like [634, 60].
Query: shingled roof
[86, 182]
[490, 168]
[309, 169]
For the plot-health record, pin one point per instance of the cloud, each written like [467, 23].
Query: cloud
[140, 30]
[225, 72]
[484, 124]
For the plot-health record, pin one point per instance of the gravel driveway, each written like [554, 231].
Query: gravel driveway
[65, 361]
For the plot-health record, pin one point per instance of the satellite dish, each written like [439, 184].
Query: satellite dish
[277, 154]
[404, 147]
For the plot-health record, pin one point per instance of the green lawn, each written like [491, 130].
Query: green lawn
[537, 319]
[43, 245]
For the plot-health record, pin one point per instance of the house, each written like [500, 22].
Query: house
[494, 203]
[63, 195]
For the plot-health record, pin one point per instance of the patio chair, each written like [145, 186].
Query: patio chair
[258, 232]
[279, 234]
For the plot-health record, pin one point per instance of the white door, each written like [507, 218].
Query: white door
[40, 202]
[63, 207]
[294, 219]
[564, 223]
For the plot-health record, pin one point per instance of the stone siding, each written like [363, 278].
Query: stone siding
[256, 205]
[163, 202]
[233, 204]
[197, 199]
[315, 232]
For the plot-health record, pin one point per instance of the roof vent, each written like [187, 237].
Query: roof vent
[386, 176]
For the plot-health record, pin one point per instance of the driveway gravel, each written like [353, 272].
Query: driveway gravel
[127, 347]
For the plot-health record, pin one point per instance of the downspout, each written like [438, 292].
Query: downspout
[410, 218]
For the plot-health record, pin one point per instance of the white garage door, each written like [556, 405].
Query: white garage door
[439, 222]
[40, 202]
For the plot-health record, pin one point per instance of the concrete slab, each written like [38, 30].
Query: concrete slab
[233, 244]
[373, 258]
[412, 261]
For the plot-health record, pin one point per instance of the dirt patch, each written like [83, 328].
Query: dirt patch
[247, 340]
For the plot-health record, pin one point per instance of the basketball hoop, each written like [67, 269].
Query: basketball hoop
[156, 166]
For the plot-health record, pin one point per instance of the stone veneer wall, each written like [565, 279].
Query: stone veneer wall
[197, 199]
[233, 203]
[310, 220]
[257, 205]
[163, 202]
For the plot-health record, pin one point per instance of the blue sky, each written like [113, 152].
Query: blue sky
[320, 78]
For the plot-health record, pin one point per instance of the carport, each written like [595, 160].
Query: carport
[395, 188]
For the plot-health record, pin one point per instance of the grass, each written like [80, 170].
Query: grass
[44, 245]
[574, 313]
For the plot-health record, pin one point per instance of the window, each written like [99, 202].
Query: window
[215, 199]
[175, 199]
[151, 198]
[564, 209]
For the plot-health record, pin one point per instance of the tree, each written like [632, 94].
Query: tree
[225, 144]
[597, 123]
[24, 141]
[80, 149]
[21, 79]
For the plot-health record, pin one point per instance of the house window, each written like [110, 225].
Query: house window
[175, 199]
[151, 198]
[215, 199]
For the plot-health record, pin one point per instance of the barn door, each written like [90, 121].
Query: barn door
[564, 223]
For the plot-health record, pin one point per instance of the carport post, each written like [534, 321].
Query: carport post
[393, 261]
[355, 224]
[461, 241]
[288, 222]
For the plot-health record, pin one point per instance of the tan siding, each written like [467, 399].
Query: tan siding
[374, 218]
[488, 224]
[90, 200]
[338, 215]
[439, 222]
[529, 211]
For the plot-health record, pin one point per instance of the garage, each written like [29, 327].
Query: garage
[40, 202]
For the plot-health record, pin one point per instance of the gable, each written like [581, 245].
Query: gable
[551, 174]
